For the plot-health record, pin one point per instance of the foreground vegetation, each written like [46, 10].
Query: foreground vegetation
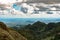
[41, 31]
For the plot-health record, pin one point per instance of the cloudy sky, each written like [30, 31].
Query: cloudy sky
[8, 1]
[44, 1]
[12, 1]
[30, 8]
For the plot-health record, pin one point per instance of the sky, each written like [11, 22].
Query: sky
[30, 8]
[6, 1]
[9, 1]
[13, 1]
[45, 1]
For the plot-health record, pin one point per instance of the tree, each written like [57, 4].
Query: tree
[38, 25]
[50, 26]
[57, 37]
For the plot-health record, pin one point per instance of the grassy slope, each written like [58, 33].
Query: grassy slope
[10, 35]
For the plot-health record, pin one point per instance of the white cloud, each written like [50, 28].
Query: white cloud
[7, 1]
[11, 1]
[20, 14]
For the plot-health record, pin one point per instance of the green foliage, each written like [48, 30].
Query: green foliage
[51, 26]
[57, 36]
[40, 31]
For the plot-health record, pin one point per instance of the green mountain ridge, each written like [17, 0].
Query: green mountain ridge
[41, 31]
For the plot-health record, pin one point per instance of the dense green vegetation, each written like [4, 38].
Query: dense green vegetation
[41, 31]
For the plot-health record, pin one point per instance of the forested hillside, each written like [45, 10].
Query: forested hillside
[41, 31]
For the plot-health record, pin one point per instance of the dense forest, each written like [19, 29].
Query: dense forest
[40, 31]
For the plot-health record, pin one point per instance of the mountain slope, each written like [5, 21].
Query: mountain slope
[41, 31]
[10, 34]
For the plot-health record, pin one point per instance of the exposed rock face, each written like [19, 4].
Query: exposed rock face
[10, 34]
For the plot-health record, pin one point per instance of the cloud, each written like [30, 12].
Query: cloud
[44, 1]
[7, 1]
[11, 1]
[31, 7]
